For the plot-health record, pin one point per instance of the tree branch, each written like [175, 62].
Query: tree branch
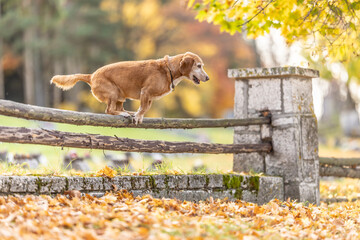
[262, 9]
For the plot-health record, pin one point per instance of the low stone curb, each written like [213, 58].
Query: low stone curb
[183, 187]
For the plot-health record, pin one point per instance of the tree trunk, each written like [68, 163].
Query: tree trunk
[258, 62]
[349, 117]
[72, 67]
[2, 79]
[46, 72]
[58, 70]
[94, 141]
[38, 71]
[339, 112]
[29, 76]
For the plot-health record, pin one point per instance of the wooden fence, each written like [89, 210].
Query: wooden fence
[340, 167]
[336, 167]
[95, 141]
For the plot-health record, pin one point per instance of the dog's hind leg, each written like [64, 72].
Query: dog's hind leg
[145, 104]
[111, 107]
[120, 108]
[106, 92]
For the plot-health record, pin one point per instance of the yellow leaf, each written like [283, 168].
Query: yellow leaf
[190, 3]
[106, 172]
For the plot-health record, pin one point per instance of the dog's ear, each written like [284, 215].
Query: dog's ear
[186, 65]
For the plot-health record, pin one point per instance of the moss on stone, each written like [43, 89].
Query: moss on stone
[238, 194]
[226, 181]
[207, 180]
[254, 183]
[166, 182]
[232, 181]
[132, 182]
[66, 183]
[152, 182]
[235, 181]
[38, 183]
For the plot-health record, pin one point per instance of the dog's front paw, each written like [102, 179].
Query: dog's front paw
[138, 119]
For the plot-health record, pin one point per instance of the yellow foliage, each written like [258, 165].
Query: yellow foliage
[151, 29]
[169, 102]
[145, 47]
[343, 187]
[111, 7]
[191, 101]
[67, 106]
[106, 172]
[120, 215]
[333, 25]
[148, 9]
[143, 24]
[207, 49]
[91, 102]
[130, 13]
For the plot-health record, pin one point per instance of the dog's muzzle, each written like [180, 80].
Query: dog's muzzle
[196, 80]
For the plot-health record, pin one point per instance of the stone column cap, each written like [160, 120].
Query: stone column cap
[248, 73]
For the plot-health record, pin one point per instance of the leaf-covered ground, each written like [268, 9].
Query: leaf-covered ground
[340, 187]
[120, 216]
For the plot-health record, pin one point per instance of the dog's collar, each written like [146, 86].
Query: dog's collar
[171, 76]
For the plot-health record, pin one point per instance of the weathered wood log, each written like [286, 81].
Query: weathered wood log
[338, 199]
[336, 171]
[94, 141]
[340, 161]
[14, 109]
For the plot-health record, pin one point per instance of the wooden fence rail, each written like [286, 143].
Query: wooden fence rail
[337, 171]
[94, 141]
[14, 109]
[339, 167]
[340, 161]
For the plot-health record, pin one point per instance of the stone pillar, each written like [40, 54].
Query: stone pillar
[287, 93]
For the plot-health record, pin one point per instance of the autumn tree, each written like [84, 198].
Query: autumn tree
[341, 97]
[43, 38]
[219, 51]
[152, 29]
[55, 36]
[325, 26]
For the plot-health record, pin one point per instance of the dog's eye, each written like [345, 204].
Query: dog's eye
[199, 66]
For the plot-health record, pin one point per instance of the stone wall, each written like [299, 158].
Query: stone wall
[286, 92]
[184, 187]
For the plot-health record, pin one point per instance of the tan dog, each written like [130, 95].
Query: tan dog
[144, 80]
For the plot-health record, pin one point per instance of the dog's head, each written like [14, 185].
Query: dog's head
[192, 67]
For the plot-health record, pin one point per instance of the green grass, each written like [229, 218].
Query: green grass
[183, 163]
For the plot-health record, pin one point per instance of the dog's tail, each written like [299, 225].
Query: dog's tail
[66, 82]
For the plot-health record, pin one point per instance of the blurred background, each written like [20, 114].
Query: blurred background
[39, 39]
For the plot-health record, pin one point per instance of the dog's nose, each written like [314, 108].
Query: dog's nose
[207, 78]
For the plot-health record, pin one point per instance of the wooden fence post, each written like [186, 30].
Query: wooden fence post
[287, 93]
